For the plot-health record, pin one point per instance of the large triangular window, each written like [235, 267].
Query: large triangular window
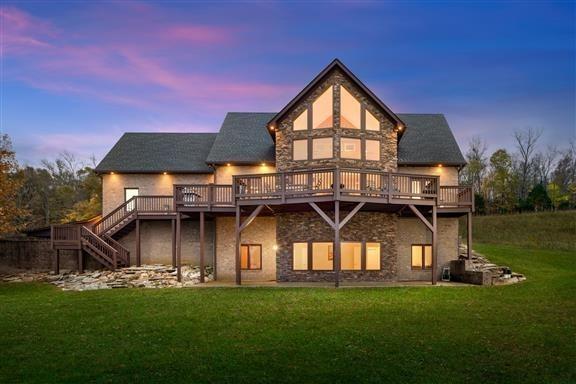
[350, 110]
[322, 110]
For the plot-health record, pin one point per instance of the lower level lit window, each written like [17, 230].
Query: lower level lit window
[421, 256]
[372, 256]
[251, 256]
[322, 256]
[351, 256]
[300, 256]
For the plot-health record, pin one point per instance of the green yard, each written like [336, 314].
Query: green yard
[522, 333]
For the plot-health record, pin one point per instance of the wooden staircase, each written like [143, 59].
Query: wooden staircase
[98, 241]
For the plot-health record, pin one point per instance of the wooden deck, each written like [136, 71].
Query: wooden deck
[322, 185]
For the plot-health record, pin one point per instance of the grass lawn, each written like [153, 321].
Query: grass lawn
[521, 333]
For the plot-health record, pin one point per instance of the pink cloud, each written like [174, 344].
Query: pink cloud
[21, 31]
[198, 34]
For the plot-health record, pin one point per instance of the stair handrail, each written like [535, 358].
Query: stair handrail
[99, 227]
[123, 252]
[88, 236]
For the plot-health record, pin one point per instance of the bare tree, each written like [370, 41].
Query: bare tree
[544, 163]
[475, 171]
[526, 141]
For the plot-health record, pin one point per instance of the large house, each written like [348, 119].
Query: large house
[334, 187]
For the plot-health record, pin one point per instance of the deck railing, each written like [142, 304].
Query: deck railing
[337, 183]
[203, 196]
[66, 236]
[456, 196]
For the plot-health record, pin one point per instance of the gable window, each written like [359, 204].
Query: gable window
[373, 150]
[300, 149]
[372, 123]
[301, 122]
[350, 110]
[300, 256]
[351, 256]
[322, 256]
[251, 257]
[322, 148]
[421, 256]
[323, 110]
[350, 148]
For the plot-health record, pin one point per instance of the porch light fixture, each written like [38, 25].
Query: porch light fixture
[400, 127]
[263, 164]
[275, 247]
[271, 127]
[164, 173]
[439, 165]
[111, 173]
[228, 164]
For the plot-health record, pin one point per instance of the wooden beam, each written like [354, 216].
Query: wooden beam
[173, 234]
[469, 235]
[80, 261]
[179, 246]
[251, 218]
[202, 247]
[57, 262]
[323, 215]
[351, 214]
[238, 234]
[138, 259]
[421, 216]
[434, 245]
[337, 243]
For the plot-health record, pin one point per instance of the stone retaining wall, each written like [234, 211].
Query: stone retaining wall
[35, 254]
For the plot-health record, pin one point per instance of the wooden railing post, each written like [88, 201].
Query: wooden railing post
[283, 187]
[337, 183]
[389, 189]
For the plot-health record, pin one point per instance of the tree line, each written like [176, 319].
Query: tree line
[58, 191]
[528, 179]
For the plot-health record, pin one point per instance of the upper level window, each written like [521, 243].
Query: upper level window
[372, 123]
[300, 149]
[350, 110]
[301, 122]
[322, 110]
[373, 150]
[322, 148]
[350, 148]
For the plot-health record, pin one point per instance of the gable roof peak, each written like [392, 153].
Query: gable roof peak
[336, 63]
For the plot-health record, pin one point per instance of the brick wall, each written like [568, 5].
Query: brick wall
[309, 226]
[413, 231]
[261, 231]
[156, 242]
[148, 184]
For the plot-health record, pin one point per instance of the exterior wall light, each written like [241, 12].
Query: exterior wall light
[228, 164]
[275, 247]
[439, 165]
[164, 173]
[263, 164]
[112, 173]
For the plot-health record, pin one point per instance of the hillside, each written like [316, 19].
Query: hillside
[549, 230]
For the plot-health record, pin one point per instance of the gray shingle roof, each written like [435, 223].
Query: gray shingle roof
[428, 140]
[243, 138]
[159, 152]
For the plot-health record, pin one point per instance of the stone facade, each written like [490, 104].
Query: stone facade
[156, 242]
[149, 184]
[261, 231]
[309, 226]
[413, 231]
[387, 135]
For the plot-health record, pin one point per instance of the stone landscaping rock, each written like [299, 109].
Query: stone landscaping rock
[145, 276]
[501, 275]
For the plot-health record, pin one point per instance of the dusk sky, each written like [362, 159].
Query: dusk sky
[76, 75]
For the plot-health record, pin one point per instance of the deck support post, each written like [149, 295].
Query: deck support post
[469, 235]
[337, 243]
[202, 218]
[434, 244]
[138, 256]
[173, 235]
[80, 261]
[57, 262]
[238, 238]
[179, 246]
[239, 228]
[433, 227]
